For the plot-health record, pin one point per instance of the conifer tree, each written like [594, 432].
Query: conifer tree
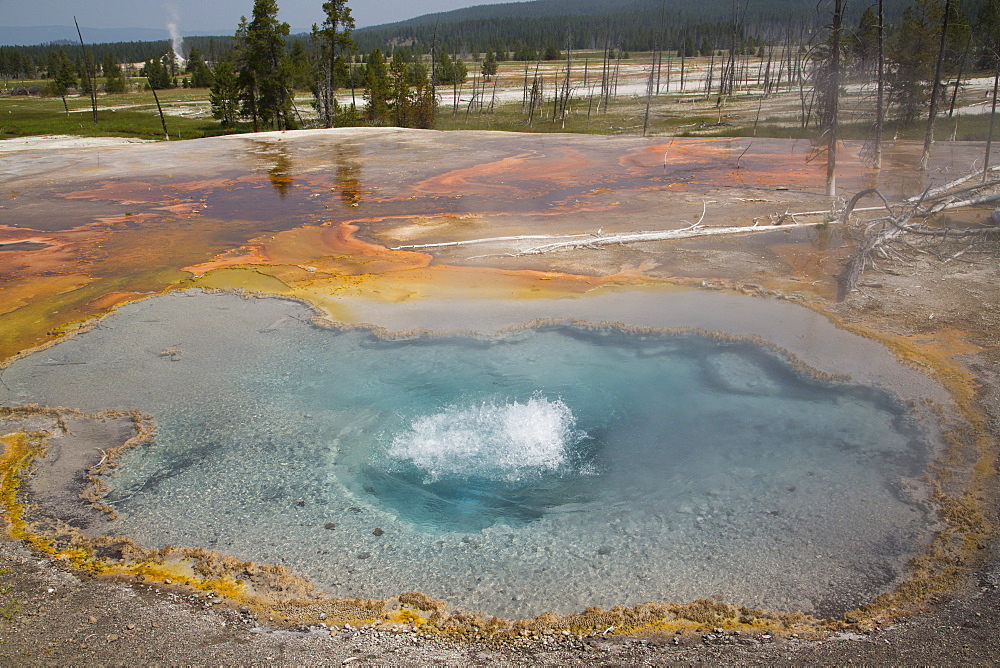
[301, 69]
[114, 80]
[157, 74]
[82, 69]
[334, 38]
[225, 96]
[376, 89]
[914, 52]
[63, 75]
[400, 103]
[264, 75]
[445, 68]
[201, 75]
[489, 67]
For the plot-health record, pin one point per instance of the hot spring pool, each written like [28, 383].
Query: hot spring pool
[548, 468]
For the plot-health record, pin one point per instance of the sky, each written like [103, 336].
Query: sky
[218, 16]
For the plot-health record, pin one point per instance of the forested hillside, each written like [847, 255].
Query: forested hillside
[129, 52]
[633, 25]
[523, 30]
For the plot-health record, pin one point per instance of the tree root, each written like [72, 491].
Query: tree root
[897, 224]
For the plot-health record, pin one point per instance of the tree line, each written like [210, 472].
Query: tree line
[254, 74]
[633, 25]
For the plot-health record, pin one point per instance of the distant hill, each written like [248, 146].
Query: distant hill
[629, 24]
[14, 36]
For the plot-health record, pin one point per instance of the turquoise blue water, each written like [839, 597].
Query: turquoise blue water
[547, 469]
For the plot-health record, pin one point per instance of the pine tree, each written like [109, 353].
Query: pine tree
[445, 70]
[864, 41]
[489, 67]
[157, 73]
[400, 104]
[201, 75]
[114, 80]
[300, 67]
[264, 74]
[424, 103]
[52, 63]
[82, 68]
[225, 96]
[334, 38]
[689, 50]
[914, 52]
[63, 76]
[377, 90]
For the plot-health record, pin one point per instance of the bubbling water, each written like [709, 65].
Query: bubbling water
[499, 441]
[552, 468]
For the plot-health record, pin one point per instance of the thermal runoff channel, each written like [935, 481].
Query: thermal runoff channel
[547, 468]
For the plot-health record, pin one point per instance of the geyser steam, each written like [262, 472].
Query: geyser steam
[176, 39]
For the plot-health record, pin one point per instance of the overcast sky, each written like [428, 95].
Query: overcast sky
[220, 16]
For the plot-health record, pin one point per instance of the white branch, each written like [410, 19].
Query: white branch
[696, 230]
[934, 193]
[597, 239]
[493, 239]
[975, 201]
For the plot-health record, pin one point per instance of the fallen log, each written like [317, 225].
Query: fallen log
[595, 240]
[697, 230]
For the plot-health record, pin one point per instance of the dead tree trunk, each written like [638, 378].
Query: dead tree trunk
[524, 96]
[708, 76]
[935, 85]
[958, 77]
[649, 95]
[91, 81]
[833, 101]
[163, 120]
[683, 59]
[879, 90]
[993, 116]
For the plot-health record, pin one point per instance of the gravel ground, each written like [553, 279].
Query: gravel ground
[58, 618]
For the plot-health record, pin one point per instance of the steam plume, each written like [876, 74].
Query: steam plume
[175, 34]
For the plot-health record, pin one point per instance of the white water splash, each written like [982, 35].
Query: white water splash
[497, 441]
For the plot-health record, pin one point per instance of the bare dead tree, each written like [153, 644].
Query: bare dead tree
[958, 77]
[898, 224]
[649, 94]
[879, 89]
[708, 76]
[833, 100]
[935, 86]
[993, 116]
[566, 85]
[524, 97]
[683, 59]
[163, 120]
[91, 80]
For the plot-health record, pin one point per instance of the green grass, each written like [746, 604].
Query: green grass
[10, 609]
[137, 117]
[22, 116]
